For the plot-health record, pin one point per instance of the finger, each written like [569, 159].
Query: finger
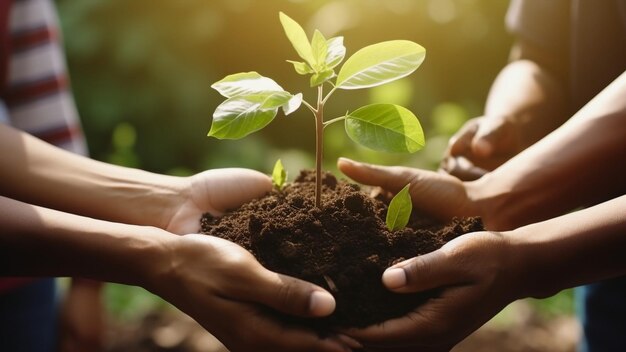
[255, 330]
[493, 135]
[391, 178]
[462, 168]
[292, 296]
[425, 272]
[437, 325]
[461, 142]
[230, 188]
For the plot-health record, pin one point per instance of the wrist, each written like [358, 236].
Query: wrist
[154, 198]
[152, 258]
[530, 267]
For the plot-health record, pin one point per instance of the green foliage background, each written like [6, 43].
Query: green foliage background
[141, 72]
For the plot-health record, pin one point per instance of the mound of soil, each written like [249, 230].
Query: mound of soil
[344, 247]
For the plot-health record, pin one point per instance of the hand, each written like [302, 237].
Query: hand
[228, 292]
[476, 280]
[214, 191]
[437, 194]
[481, 145]
[82, 318]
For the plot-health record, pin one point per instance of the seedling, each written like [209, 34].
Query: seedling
[279, 175]
[399, 211]
[253, 100]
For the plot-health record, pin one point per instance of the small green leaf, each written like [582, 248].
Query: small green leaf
[336, 52]
[239, 116]
[399, 211]
[302, 68]
[380, 63]
[245, 83]
[321, 77]
[279, 175]
[298, 38]
[385, 127]
[293, 104]
[320, 50]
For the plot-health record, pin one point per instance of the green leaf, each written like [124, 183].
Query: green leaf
[336, 52]
[380, 63]
[298, 38]
[320, 50]
[302, 68]
[279, 175]
[385, 127]
[269, 100]
[293, 104]
[399, 211]
[239, 116]
[245, 83]
[321, 77]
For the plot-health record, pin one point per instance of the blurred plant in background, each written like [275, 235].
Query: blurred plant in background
[146, 66]
[141, 72]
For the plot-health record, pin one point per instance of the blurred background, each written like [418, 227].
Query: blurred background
[141, 72]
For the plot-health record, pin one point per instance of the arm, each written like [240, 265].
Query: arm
[38, 173]
[579, 164]
[204, 276]
[480, 273]
[526, 102]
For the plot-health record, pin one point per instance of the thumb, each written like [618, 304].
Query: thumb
[293, 296]
[391, 178]
[229, 188]
[492, 136]
[422, 273]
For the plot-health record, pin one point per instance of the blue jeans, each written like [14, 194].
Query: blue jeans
[602, 310]
[28, 318]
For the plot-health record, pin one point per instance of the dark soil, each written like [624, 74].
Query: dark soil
[344, 248]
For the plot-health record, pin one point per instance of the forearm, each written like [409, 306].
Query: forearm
[38, 173]
[36, 241]
[531, 97]
[581, 247]
[579, 164]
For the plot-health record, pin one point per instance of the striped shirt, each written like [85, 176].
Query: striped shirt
[35, 94]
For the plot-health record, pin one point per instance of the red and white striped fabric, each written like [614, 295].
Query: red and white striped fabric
[34, 88]
[37, 95]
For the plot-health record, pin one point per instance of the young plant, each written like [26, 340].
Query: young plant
[399, 211]
[253, 100]
[279, 175]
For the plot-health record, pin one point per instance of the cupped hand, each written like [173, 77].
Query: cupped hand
[475, 278]
[481, 145]
[437, 194]
[224, 288]
[214, 191]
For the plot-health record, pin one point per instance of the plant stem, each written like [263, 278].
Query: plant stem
[305, 103]
[336, 119]
[319, 143]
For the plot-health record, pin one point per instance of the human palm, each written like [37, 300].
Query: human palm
[214, 191]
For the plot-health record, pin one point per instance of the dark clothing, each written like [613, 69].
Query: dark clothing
[588, 36]
[28, 318]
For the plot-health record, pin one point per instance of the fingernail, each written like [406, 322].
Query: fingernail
[483, 147]
[394, 278]
[321, 303]
[346, 160]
